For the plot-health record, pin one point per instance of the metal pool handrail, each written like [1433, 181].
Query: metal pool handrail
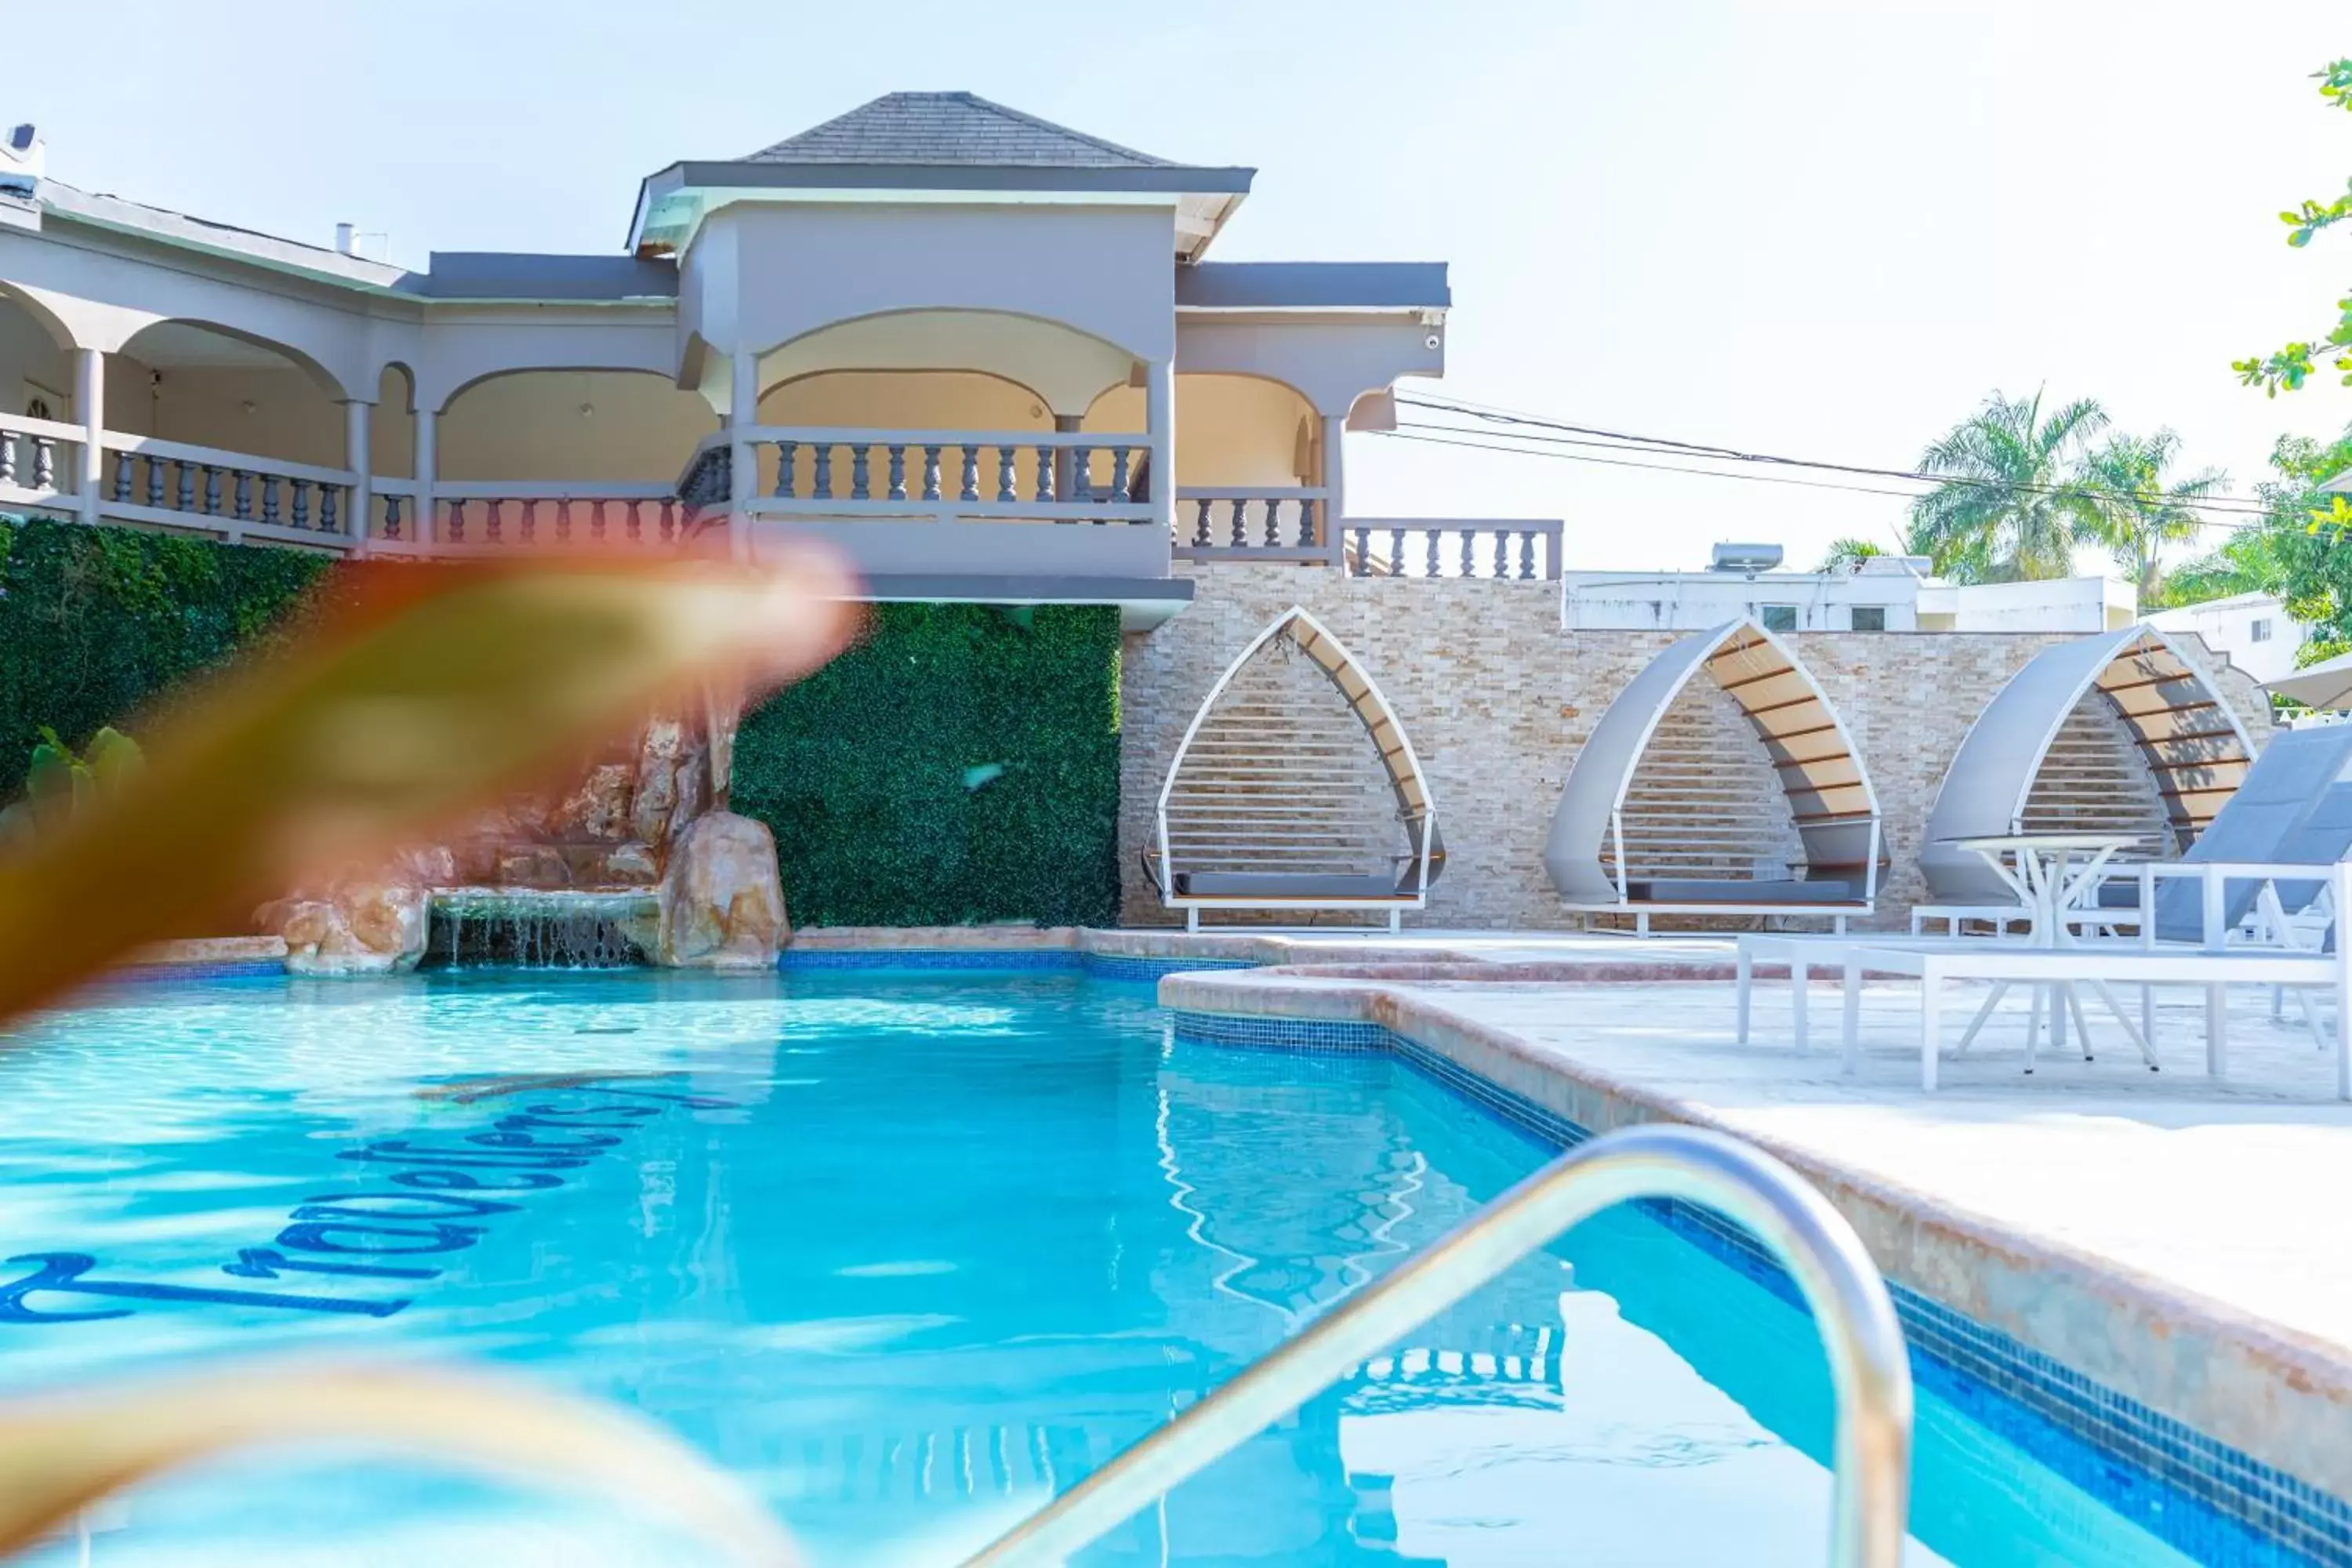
[1871, 1493]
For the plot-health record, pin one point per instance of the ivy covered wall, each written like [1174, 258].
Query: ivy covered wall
[961, 764]
[98, 623]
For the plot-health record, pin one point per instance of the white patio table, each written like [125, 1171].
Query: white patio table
[2053, 874]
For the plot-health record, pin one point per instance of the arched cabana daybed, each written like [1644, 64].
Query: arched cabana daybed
[1295, 789]
[1737, 795]
[2120, 732]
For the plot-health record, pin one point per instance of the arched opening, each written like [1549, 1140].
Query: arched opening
[904, 400]
[2120, 734]
[391, 430]
[1720, 781]
[1244, 431]
[37, 362]
[204, 386]
[1060, 368]
[570, 427]
[1295, 789]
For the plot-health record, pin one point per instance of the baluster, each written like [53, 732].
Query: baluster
[1201, 521]
[1241, 537]
[494, 520]
[635, 518]
[598, 512]
[184, 493]
[391, 517]
[301, 489]
[1082, 474]
[562, 519]
[244, 495]
[930, 473]
[821, 485]
[968, 487]
[1363, 557]
[1120, 457]
[454, 529]
[1273, 523]
[1429, 552]
[898, 473]
[1502, 552]
[44, 463]
[1527, 556]
[212, 491]
[1006, 491]
[156, 483]
[784, 450]
[1469, 545]
[331, 508]
[1306, 521]
[1396, 552]
[669, 521]
[860, 488]
[268, 493]
[9, 461]
[1045, 473]
[122, 461]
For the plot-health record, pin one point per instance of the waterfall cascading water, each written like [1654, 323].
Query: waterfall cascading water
[541, 928]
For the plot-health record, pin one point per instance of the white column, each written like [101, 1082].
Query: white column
[425, 527]
[90, 402]
[359, 456]
[742, 413]
[1335, 484]
[1160, 421]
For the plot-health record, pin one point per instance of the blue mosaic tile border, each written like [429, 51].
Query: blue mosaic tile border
[1096, 966]
[2238, 1512]
[999, 958]
[227, 969]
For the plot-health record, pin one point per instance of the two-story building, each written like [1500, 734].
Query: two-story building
[986, 355]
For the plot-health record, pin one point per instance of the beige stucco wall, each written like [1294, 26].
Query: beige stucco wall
[1497, 699]
[1230, 430]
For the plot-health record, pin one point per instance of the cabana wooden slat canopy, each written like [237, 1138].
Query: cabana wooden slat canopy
[1656, 795]
[2173, 755]
[1295, 789]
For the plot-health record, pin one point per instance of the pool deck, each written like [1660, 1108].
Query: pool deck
[2179, 1240]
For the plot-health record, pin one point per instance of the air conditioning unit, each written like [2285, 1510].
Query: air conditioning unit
[1745, 558]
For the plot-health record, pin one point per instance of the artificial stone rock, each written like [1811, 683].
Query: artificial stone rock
[722, 901]
[363, 920]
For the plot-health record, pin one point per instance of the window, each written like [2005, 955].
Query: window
[1778, 617]
[2259, 631]
[1870, 618]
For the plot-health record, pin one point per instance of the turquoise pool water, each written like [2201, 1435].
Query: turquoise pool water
[905, 1251]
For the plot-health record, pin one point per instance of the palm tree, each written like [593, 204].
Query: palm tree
[1849, 552]
[2009, 508]
[2132, 511]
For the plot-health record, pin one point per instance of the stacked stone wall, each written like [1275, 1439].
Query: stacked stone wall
[1498, 698]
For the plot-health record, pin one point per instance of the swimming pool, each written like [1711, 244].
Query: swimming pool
[905, 1250]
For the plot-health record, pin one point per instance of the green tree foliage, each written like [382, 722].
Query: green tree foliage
[2287, 368]
[2296, 551]
[2010, 508]
[959, 765]
[2132, 506]
[1847, 553]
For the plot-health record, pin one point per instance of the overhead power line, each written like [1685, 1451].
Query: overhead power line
[1525, 434]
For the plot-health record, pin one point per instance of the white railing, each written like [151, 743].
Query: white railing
[236, 495]
[39, 459]
[811, 472]
[1526, 549]
[1232, 522]
[492, 517]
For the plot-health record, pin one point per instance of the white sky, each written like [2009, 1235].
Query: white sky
[1820, 229]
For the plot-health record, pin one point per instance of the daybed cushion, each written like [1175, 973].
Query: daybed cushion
[1698, 890]
[1281, 885]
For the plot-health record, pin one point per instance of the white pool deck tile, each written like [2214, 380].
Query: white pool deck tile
[2237, 1190]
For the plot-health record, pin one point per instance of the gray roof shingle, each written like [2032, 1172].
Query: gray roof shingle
[950, 128]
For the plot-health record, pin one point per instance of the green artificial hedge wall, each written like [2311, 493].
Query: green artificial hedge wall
[961, 764]
[95, 623]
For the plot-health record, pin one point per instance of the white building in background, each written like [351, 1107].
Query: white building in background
[1878, 594]
[2253, 629]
